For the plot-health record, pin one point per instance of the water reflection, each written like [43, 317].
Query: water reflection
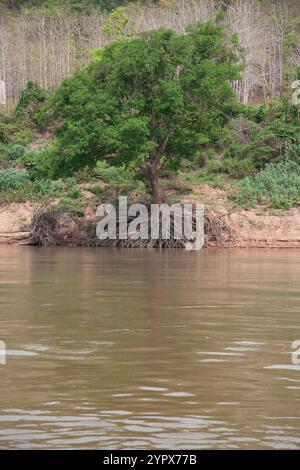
[149, 349]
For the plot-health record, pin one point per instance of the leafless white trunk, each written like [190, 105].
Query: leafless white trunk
[46, 46]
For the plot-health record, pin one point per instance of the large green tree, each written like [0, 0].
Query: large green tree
[148, 102]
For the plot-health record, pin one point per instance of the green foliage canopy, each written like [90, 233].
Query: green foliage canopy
[148, 102]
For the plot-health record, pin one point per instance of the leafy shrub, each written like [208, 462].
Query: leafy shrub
[214, 166]
[16, 151]
[70, 182]
[70, 206]
[16, 130]
[3, 152]
[239, 168]
[266, 144]
[23, 136]
[278, 186]
[293, 152]
[41, 164]
[96, 190]
[269, 145]
[111, 174]
[74, 193]
[117, 177]
[48, 188]
[4, 132]
[19, 186]
[12, 179]
[234, 167]
[31, 97]
[262, 134]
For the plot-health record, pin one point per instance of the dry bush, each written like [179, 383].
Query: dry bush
[217, 231]
[46, 231]
[44, 224]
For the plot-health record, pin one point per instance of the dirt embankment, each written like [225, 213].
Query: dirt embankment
[258, 227]
[15, 220]
[274, 231]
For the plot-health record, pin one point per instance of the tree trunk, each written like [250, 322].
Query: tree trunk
[158, 193]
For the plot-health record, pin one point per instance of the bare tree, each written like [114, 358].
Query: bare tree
[46, 46]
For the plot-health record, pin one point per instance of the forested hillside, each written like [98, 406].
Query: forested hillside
[153, 100]
[47, 40]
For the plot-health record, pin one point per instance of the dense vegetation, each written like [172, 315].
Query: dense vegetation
[147, 103]
[148, 107]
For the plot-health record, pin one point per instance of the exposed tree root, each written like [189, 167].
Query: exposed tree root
[47, 230]
[217, 231]
[44, 225]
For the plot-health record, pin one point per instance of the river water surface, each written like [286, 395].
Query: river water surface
[114, 349]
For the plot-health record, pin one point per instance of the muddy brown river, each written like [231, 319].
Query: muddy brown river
[114, 349]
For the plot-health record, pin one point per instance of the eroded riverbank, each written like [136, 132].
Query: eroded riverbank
[248, 228]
